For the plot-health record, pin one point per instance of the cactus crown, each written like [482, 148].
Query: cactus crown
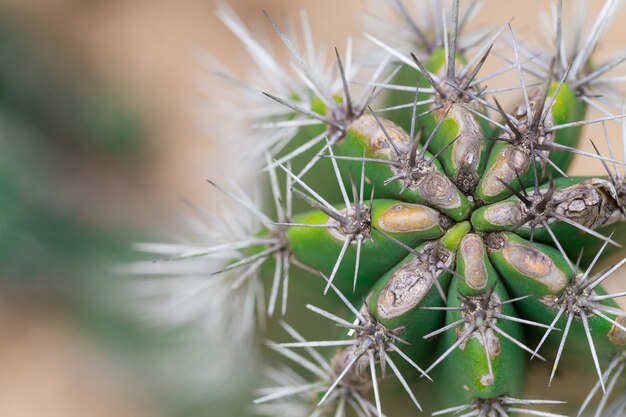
[446, 226]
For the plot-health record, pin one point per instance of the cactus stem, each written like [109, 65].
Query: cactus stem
[429, 186]
[431, 257]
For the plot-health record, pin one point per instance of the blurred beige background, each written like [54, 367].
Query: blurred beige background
[146, 47]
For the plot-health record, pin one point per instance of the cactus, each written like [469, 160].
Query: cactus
[452, 249]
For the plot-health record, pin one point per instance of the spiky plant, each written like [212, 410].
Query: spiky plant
[448, 240]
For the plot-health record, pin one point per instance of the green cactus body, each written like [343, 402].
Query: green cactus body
[528, 267]
[365, 139]
[507, 160]
[411, 224]
[567, 108]
[478, 293]
[460, 250]
[460, 139]
[539, 271]
[396, 308]
[509, 212]
[409, 76]
[576, 202]
[507, 359]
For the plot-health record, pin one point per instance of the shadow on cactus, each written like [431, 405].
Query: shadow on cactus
[455, 243]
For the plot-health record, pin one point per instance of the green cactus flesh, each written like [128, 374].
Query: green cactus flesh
[443, 232]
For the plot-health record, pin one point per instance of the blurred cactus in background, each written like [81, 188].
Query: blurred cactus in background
[51, 92]
[55, 120]
[417, 236]
[51, 115]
